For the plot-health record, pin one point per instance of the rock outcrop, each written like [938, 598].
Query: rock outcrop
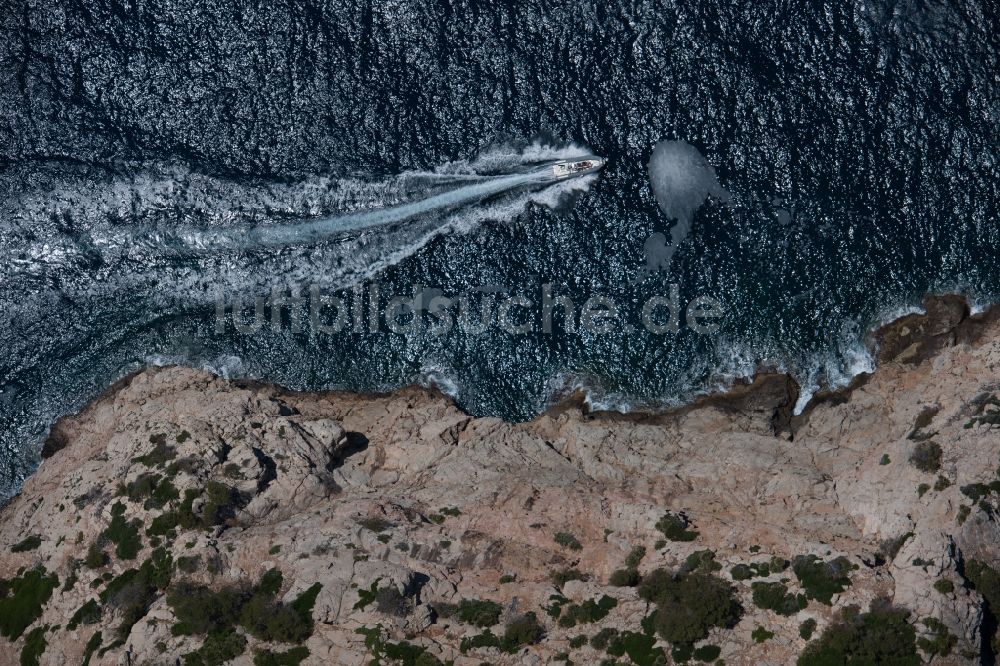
[163, 505]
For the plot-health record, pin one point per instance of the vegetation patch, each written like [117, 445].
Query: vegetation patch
[92, 646]
[701, 560]
[926, 456]
[624, 578]
[986, 581]
[89, 613]
[217, 649]
[375, 524]
[124, 534]
[154, 490]
[478, 612]
[674, 527]
[944, 586]
[34, 646]
[567, 540]
[821, 580]
[30, 542]
[523, 630]
[689, 604]
[404, 653]
[889, 548]
[563, 576]
[880, 636]
[639, 647]
[807, 628]
[940, 642]
[22, 599]
[588, 612]
[777, 598]
[201, 610]
[760, 634]
[160, 454]
[135, 590]
[292, 657]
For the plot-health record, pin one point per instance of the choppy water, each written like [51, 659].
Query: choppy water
[154, 155]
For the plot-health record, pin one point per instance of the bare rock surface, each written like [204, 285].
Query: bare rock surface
[382, 513]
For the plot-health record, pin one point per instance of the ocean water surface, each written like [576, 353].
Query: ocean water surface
[163, 163]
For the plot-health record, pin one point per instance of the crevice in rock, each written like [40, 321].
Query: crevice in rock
[353, 442]
[270, 469]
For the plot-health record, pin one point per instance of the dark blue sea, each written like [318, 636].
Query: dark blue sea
[164, 163]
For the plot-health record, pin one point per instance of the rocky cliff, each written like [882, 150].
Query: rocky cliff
[185, 518]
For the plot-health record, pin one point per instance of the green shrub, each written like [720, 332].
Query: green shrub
[389, 601]
[30, 542]
[941, 642]
[96, 557]
[375, 524]
[880, 636]
[89, 613]
[674, 527]
[567, 540]
[701, 560]
[807, 628]
[775, 597]
[821, 580]
[689, 604]
[506, 579]
[741, 572]
[944, 586]
[269, 620]
[521, 631]
[92, 646]
[924, 419]
[778, 564]
[563, 576]
[292, 657]
[922, 489]
[624, 578]
[220, 505]
[634, 558]
[22, 599]
[942, 483]
[554, 609]
[217, 649]
[977, 491]
[986, 581]
[884, 460]
[34, 646]
[889, 548]
[963, 514]
[640, 648]
[707, 653]
[188, 564]
[484, 640]
[578, 641]
[124, 534]
[160, 454]
[479, 613]
[588, 612]
[760, 634]
[926, 456]
[600, 640]
[135, 590]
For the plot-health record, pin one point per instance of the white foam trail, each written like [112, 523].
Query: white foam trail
[314, 231]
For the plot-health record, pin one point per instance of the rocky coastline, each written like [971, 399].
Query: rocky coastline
[183, 518]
